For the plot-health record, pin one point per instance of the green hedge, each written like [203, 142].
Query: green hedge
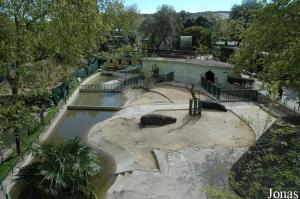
[240, 81]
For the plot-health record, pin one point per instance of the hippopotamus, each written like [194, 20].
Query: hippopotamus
[213, 105]
[156, 120]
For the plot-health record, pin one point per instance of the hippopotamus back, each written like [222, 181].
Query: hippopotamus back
[156, 120]
[213, 105]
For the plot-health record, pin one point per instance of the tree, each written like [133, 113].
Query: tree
[60, 171]
[162, 25]
[202, 21]
[240, 17]
[201, 36]
[185, 20]
[34, 30]
[130, 21]
[271, 44]
[219, 28]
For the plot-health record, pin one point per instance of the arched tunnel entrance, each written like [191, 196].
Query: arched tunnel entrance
[209, 75]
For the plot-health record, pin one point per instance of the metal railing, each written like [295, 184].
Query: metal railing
[236, 95]
[114, 87]
[211, 87]
[228, 95]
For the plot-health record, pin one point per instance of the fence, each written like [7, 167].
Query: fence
[195, 107]
[10, 163]
[115, 87]
[235, 95]
[166, 77]
[210, 87]
[228, 95]
[62, 91]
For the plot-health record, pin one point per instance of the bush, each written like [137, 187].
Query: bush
[246, 82]
[273, 162]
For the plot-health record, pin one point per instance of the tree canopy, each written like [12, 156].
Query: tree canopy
[162, 25]
[271, 43]
[35, 30]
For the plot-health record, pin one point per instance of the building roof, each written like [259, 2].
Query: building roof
[199, 62]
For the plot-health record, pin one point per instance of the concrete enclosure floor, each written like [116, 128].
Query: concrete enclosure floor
[178, 160]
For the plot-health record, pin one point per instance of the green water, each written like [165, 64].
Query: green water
[99, 99]
[77, 123]
[100, 79]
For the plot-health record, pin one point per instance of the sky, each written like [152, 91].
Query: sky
[150, 6]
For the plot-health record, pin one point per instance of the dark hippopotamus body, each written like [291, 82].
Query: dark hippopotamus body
[156, 120]
[213, 105]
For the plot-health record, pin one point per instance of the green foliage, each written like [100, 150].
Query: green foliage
[7, 165]
[271, 43]
[201, 36]
[271, 163]
[215, 193]
[220, 28]
[60, 171]
[240, 17]
[246, 82]
[31, 31]
[26, 145]
[244, 11]
[15, 116]
[162, 25]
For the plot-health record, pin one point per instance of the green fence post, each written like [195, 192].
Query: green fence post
[190, 108]
[194, 107]
[199, 107]
[218, 93]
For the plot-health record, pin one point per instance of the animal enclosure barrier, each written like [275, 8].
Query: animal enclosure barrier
[210, 87]
[195, 107]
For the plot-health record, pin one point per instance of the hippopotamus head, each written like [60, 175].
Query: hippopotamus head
[170, 120]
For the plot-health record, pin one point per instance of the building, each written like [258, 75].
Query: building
[190, 70]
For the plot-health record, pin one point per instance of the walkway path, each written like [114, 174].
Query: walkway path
[289, 97]
[258, 119]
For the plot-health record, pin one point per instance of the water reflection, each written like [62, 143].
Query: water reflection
[77, 123]
[99, 99]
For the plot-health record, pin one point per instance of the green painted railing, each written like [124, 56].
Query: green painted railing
[195, 107]
[116, 87]
[210, 87]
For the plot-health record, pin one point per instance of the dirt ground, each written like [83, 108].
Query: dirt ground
[162, 94]
[213, 129]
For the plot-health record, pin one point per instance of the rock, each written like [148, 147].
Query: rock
[213, 105]
[156, 120]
